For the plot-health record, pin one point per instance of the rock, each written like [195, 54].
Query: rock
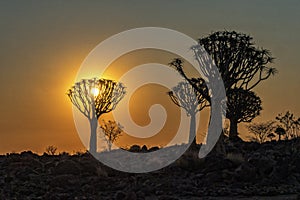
[120, 195]
[91, 168]
[189, 163]
[30, 162]
[296, 162]
[263, 164]
[25, 173]
[131, 196]
[63, 181]
[88, 188]
[217, 163]
[151, 197]
[66, 167]
[167, 197]
[245, 173]
[280, 172]
[213, 177]
[227, 175]
[266, 169]
[57, 196]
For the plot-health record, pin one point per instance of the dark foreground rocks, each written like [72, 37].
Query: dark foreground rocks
[247, 171]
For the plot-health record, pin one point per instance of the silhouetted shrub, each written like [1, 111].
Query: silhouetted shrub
[135, 148]
[64, 153]
[144, 148]
[51, 150]
[153, 149]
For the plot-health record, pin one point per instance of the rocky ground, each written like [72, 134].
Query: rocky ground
[247, 171]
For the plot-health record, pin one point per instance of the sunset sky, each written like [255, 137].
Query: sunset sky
[43, 43]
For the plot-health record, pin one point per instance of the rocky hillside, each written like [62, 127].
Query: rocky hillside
[270, 170]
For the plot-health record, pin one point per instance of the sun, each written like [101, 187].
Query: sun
[95, 91]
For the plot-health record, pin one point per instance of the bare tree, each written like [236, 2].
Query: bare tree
[112, 131]
[240, 63]
[94, 97]
[51, 150]
[261, 131]
[185, 96]
[289, 123]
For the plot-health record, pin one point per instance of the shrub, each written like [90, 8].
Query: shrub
[51, 150]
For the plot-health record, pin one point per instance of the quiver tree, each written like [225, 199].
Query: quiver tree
[185, 96]
[280, 131]
[94, 97]
[112, 131]
[271, 136]
[242, 106]
[240, 64]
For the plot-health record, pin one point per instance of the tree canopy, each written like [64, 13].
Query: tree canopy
[242, 67]
[185, 96]
[112, 131]
[94, 97]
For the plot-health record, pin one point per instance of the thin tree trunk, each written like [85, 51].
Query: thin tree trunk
[93, 137]
[109, 145]
[192, 136]
[233, 133]
[219, 147]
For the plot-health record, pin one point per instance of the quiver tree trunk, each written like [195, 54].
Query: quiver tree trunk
[192, 135]
[93, 137]
[233, 131]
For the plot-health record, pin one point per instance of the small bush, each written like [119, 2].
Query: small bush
[155, 148]
[135, 148]
[51, 150]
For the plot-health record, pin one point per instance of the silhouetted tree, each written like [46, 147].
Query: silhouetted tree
[289, 123]
[240, 63]
[51, 150]
[242, 106]
[271, 136]
[185, 96]
[94, 97]
[112, 131]
[280, 131]
[297, 127]
[226, 130]
[261, 131]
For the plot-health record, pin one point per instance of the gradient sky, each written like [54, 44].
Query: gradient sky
[43, 43]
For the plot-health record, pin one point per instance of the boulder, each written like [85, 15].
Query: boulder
[66, 167]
